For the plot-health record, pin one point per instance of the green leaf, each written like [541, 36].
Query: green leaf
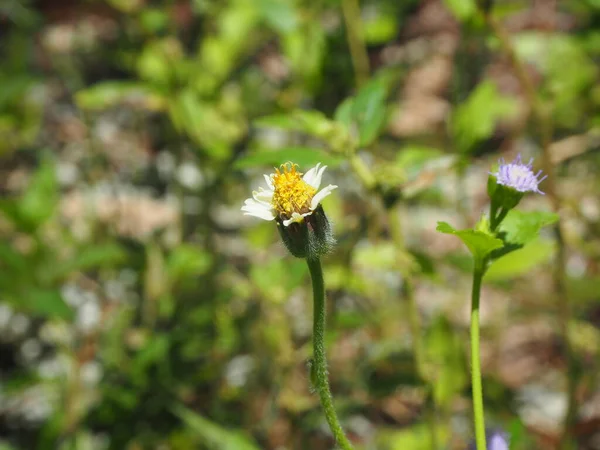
[475, 120]
[369, 110]
[289, 275]
[11, 260]
[279, 14]
[380, 28]
[303, 156]
[214, 435]
[187, 260]
[520, 261]
[43, 303]
[415, 437]
[479, 243]
[463, 10]
[414, 157]
[40, 199]
[519, 227]
[343, 113]
[153, 20]
[205, 123]
[92, 257]
[312, 122]
[154, 352]
[566, 86]
[304, 49]
[108, 94]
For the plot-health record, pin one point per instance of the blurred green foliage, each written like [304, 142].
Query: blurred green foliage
[140, 309]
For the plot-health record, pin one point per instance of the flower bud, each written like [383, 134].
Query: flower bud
[310, 238]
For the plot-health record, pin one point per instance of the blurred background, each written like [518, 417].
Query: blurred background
[139, 309]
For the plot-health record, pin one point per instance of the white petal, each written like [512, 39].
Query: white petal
[317, 179]
[251, 205]
[253, 208]
[265, 215]
[269, 181]
[309, 176]
[253, 202]
[296, 218]
[321, 195]
[263, 196]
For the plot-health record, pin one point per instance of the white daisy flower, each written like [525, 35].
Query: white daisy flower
[289, 197]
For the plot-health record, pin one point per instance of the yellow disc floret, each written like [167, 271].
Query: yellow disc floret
[292, 193]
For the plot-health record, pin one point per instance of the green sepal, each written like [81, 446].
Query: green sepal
[311, 238]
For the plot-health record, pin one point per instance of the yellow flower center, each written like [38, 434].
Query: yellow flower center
[292, 193]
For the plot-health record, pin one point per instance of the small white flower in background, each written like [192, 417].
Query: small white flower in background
[289, 197]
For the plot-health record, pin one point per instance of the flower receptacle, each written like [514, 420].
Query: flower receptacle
[310, 238]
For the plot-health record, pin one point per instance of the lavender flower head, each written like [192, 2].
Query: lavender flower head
[518, 176]
[495, 440]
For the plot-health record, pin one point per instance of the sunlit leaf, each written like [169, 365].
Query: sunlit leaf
[92, 257]
[42, 303]
[279, 14]
[462, 9]
[475, 119]
[369, 110]
[40, 199]
[480, 244]
[108, 94]
[521, 260]
[522, 227]
[187, 261]
[380, 28]
[414, 437]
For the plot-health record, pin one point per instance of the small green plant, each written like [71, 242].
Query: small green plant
[504, 231]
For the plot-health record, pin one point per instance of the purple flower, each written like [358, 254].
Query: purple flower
[518, 176]
[495, 439]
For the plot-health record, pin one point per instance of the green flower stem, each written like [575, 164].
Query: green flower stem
[493, 211]
[496, 221]
[478, 415]
[320, 362]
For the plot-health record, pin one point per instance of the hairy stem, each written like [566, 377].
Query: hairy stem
[320, 362]
[478, 416]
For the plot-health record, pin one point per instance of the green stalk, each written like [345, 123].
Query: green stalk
[478, 416]
[320, 362]
[496, 221]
